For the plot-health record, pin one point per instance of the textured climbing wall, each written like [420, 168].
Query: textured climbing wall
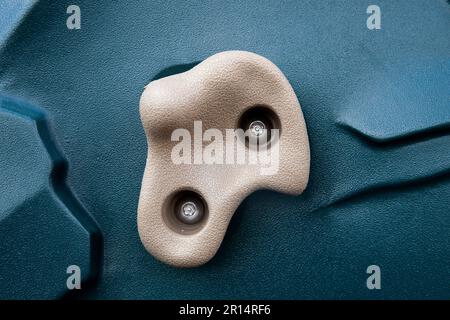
[376, 104]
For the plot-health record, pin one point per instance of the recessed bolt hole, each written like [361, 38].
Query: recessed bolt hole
[257, 122]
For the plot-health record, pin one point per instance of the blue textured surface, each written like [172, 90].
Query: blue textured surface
[43, 227]
[377, 109]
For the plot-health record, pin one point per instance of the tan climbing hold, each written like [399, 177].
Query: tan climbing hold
[185, 205]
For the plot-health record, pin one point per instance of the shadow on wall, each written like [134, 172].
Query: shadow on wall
[175, 69]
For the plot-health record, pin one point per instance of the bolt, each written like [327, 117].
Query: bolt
[189, 212]
[257, 128]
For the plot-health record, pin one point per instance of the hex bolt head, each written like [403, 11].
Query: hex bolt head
[189, 212]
